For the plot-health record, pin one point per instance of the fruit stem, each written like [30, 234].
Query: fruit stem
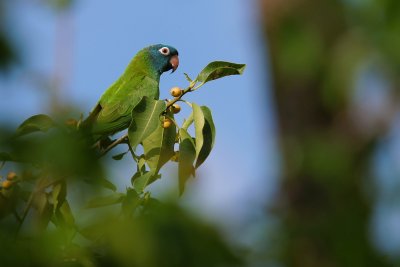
[176, 99]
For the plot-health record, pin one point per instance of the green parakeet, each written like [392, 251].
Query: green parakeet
[141, 78]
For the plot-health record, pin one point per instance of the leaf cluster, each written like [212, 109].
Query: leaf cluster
[51, 158]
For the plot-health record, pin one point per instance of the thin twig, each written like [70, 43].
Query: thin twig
[176, 99]
[120, 140]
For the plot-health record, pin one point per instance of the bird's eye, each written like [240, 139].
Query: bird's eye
[164, 51]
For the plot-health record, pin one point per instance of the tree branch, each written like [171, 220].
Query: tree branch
[120, 140]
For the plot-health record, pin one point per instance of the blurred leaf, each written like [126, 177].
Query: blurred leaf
[130, 202]
[142, 181]
[119, 156]
[107, 184]
[94, 231]
[135, 176]
[36, 123]
[6, 157]
[208, 136]
[105, 201]
[60, 5]
[159, 146]
[141, 165]
[141, 169]
[59, 194]
[101, 182]
[219, 69]
[187, 155]
[44, 209]
[64, 215]
[40, 202]
[168, 236]
[8, 54]
[145, 119]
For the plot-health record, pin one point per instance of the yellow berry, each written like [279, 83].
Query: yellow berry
[6, 184]
[11, 176]
[176, 92]
[166, 123]
[176, 108]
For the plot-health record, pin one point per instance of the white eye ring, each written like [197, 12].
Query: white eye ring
[164, 50]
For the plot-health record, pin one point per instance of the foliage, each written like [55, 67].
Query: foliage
[318, 50]
[100, 226]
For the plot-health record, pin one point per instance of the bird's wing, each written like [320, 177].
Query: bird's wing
[119, 100]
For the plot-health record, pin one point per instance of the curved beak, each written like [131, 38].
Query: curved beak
[174, 61]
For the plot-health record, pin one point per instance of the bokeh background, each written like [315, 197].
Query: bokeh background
[305, 171]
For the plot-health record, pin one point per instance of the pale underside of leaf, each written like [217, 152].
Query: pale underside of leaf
[208, 136]
[198, 125]
[187, 156]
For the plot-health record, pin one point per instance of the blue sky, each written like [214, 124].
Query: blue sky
[99, 38]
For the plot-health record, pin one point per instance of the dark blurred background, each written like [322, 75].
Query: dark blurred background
[313, 179]
[336, 83]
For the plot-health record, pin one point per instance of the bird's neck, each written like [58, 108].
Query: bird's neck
[141, 64]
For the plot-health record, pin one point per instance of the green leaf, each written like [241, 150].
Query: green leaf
[188, 122]
[107, 184]
[219, 69]
[105, 201]
[198, 126]
[204, 132]
[208, 136]
[159, 146]
[101, 182]
[64, 215]
[187, 77]
[141, 164]
[187, 155]
[43, 208]
[140, 169]
[37, 123]
[145, 119]
[59, 194]
[130, 202]
[119, 156]
[141, 182]
[41, 202]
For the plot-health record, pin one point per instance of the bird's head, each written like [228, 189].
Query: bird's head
[163, 57]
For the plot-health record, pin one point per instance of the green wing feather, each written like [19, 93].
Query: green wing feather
[117, 103]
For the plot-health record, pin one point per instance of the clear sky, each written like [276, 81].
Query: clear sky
[99, 38]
